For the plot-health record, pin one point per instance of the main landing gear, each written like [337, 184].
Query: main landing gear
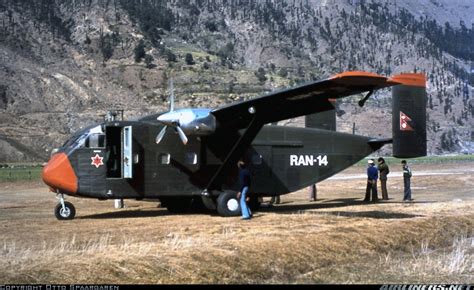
[64, 210]
[229, 205]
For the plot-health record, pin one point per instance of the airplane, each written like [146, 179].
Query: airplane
[187, 157]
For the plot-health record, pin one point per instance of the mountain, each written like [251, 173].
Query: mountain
[64, 64]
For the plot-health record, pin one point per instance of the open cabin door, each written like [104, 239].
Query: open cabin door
[119, 152]
[127, 152]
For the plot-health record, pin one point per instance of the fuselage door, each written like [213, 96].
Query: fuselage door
[127, 160]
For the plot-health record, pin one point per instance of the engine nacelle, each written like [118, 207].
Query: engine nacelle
[203, 123]
[198, 122]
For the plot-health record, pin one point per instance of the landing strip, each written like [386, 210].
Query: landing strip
[337, 239]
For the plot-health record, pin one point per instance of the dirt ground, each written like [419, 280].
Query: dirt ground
[337, 239]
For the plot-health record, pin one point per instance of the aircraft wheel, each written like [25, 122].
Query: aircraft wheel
[66, 213]
[228, 204]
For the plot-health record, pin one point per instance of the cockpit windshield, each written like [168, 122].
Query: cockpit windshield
[92, 137]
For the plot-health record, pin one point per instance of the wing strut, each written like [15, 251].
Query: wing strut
[236, 152]
[362, 102]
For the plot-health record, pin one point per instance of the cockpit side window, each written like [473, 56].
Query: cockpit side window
[95, 140]
[91, 137]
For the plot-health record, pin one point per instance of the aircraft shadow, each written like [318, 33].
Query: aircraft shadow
[136, 214]
[371, 214]
[289, 208]
[283, 208]
[292, 207]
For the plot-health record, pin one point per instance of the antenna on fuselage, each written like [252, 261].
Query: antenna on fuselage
[171, 88]
[112, 116]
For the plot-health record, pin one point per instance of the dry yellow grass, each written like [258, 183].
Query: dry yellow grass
[335, 240]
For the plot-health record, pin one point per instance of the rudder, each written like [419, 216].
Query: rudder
[409, 116]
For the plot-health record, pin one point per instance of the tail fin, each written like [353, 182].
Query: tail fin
[409, 116]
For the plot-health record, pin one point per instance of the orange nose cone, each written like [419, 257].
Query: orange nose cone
[58, 174]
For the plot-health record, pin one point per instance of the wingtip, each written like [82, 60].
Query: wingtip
[356, 74]
[357, 77]
[410, 79]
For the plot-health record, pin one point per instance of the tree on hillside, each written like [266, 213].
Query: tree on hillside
[106, 47]
[283, 72]
[139, 51]
[260, 74]
[189, 59]
[149, 61]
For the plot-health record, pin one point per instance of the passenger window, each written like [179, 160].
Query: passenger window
[164, 158]
[257, 159]
[96, 141]
[190, 158]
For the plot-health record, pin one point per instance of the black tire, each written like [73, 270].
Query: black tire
[228, 204]
[67, 214]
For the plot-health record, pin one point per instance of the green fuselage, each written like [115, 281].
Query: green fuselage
[281, 160]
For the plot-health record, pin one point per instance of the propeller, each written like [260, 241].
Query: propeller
[170, 119]
[160, 135]
[181, 134]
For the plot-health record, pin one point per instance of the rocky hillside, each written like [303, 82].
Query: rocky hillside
[64, 64]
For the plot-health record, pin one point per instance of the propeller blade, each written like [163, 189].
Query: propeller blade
[182, 135]
[171, 87]
[160, 135]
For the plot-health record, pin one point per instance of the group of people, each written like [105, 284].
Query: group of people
[382, 168]
[373, 174]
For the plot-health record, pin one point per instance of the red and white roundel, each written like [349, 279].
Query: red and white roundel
[97, 161]
[404, 125]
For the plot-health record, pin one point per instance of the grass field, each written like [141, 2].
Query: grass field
[424, 160]
[19, 172]
[338, 239]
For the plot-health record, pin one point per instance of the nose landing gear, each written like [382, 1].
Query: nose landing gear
[64, 210]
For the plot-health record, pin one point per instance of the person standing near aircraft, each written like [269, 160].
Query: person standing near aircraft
[372, 175]
[244, 179]
[384, 171]
[275, 199]
[313, 192]
[406, 181]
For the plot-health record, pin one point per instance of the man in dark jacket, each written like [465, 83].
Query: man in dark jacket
[384, 171]
[406, 181]
[313, 192]
[372, 175]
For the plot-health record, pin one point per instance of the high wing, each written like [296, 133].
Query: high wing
[230, 145]
[301, 100]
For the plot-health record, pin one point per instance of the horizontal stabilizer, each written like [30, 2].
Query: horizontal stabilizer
[378, 143]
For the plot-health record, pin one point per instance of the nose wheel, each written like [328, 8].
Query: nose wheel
[64, 210]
